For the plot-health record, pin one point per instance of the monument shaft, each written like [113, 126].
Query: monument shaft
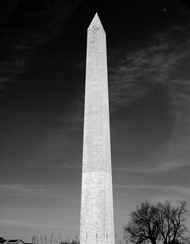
[97, 225]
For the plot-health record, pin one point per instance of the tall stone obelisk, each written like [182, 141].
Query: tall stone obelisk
[96, 224]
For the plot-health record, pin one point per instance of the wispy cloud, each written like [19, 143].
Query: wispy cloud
[41, 22]
[64, 166]
[53, 152]
[26, 190]
[20, 189]
[156, 167]
[13, 222]
[58, 165]
[137, 72]
[178, 189]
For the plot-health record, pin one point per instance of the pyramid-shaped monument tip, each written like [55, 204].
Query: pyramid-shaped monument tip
[95, 23]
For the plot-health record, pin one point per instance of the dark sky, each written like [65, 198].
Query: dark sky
[42, 79]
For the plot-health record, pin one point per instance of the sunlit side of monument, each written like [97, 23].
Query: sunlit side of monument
[97, 223]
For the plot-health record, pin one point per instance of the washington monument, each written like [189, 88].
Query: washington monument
[97, 223]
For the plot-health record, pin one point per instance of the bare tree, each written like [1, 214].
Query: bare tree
[172, 227]
[144, 224]
[159, 222]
